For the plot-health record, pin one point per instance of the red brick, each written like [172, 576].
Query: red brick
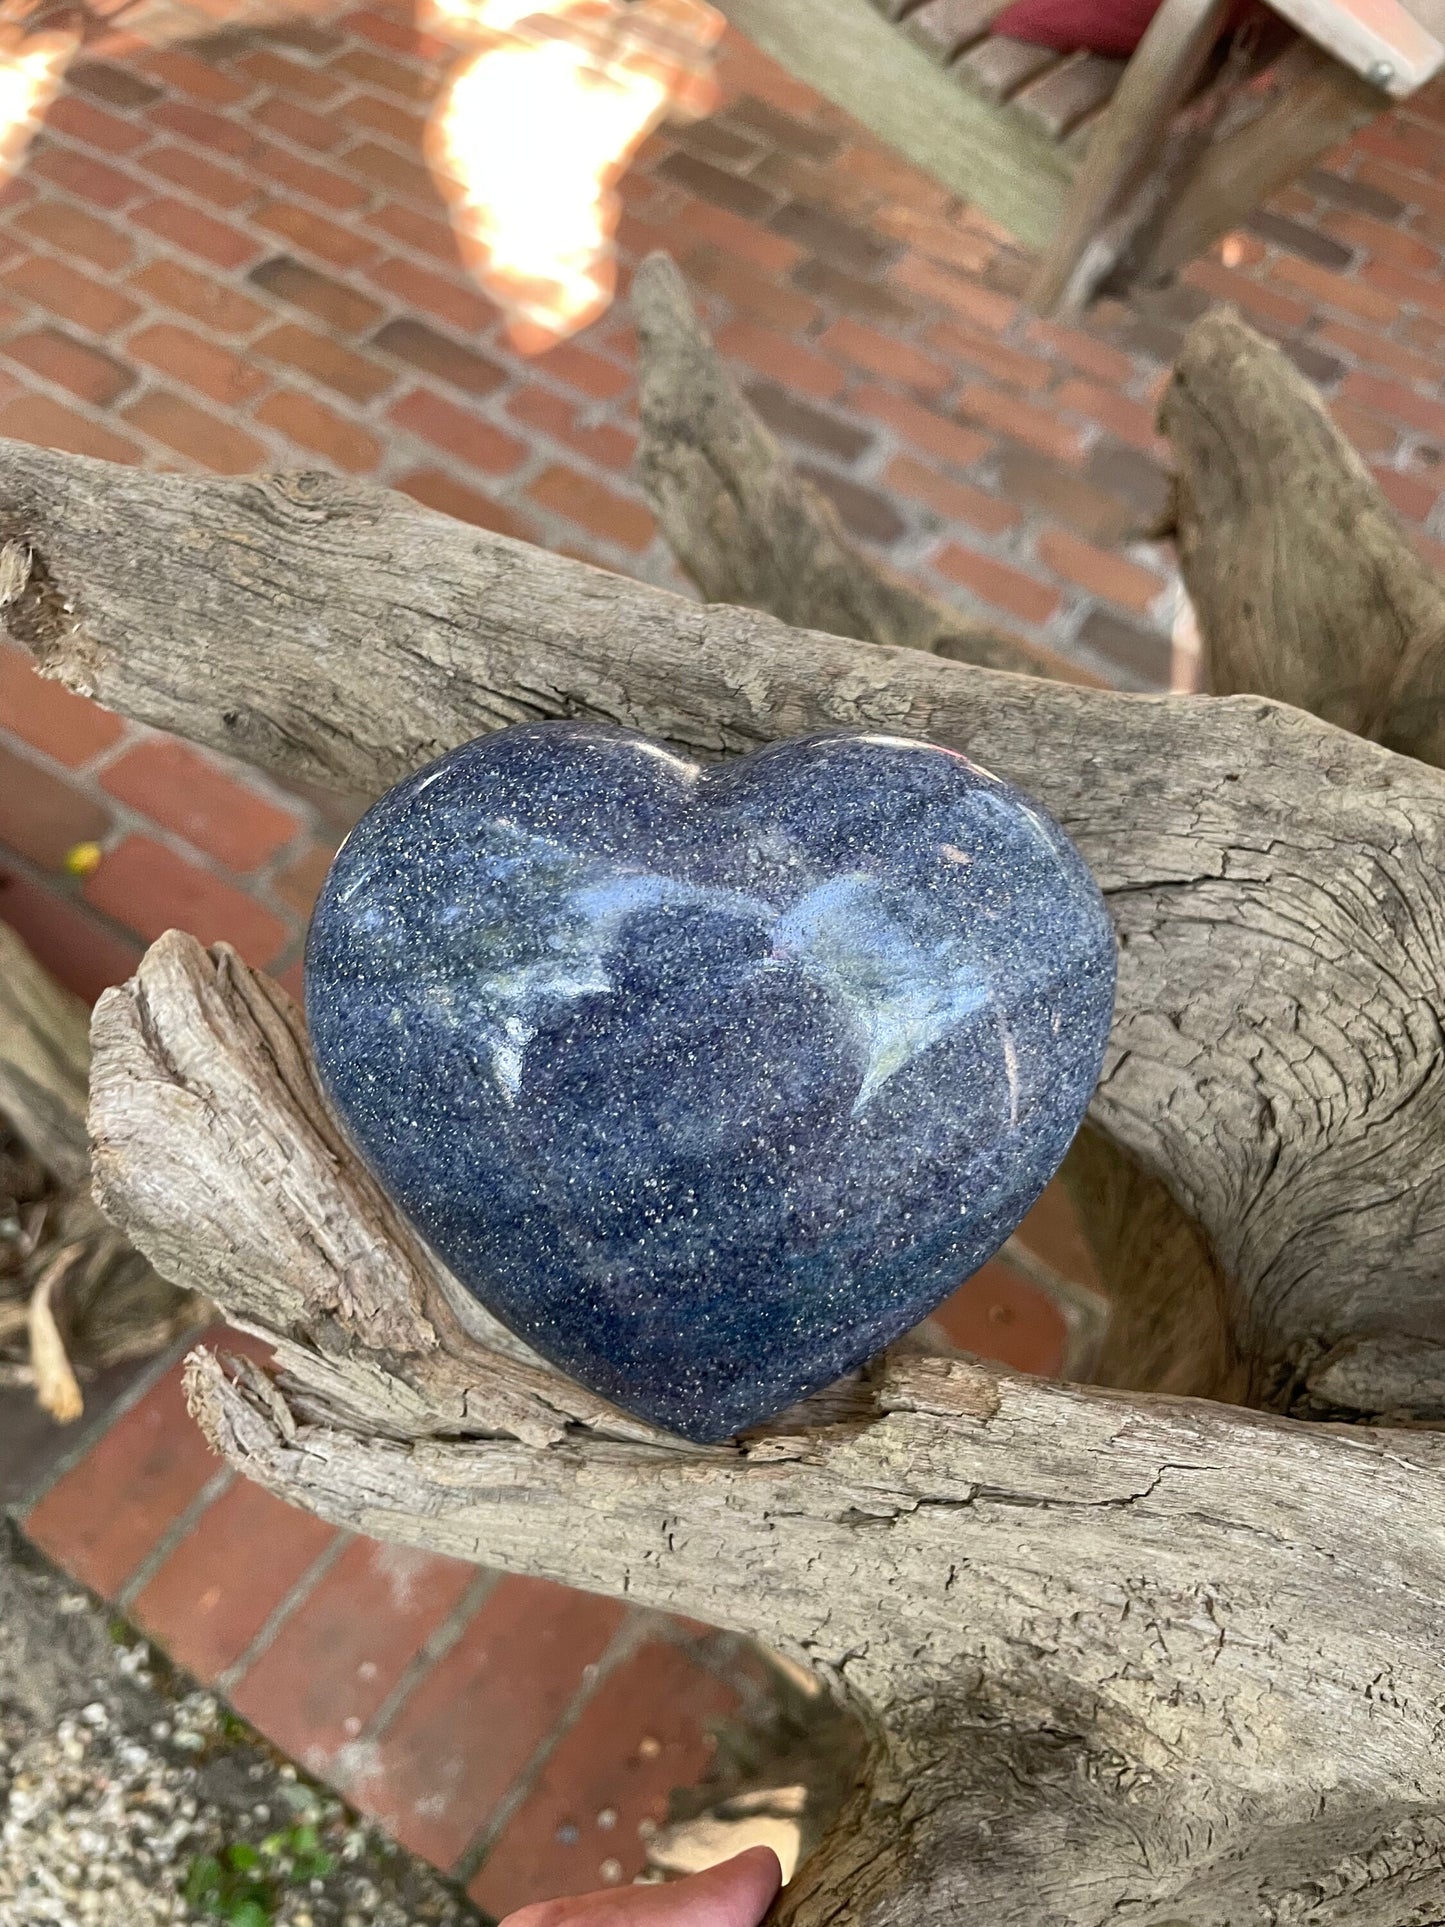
[79, 950]
[984, 307]
[184, 791]
[187, 75]
[321, 132]
[605, 444]
[447, 297]
[1081, 351]
[971, 348]
[218, 185]
[1408, 497]
[344, 309]
[472, 1725]
[935, 434]
[700, 221]
[375, 70]
[321, 184]
[102, 1518]
[88, 179]
[398, 173]
[60, 358]
[399, 124]
[47, 423]
[213, 1594]
[311, 424]
[199, 363]
[886, 356]
[1394, 401]
[1130, 421]
[1021, 421]
[1373, 348]
[1263, 305]
[186, 227]
[588, 374]
[326, 361]
[1384, 243]
[954, 501]
[759, 296]
[437, 354]
[385, 30]
[458, 431]
[180, 425]
[420, 231]
[49, 716]
[333, 1661]
[298, 884]
[1101, 573]
[41, 815]
[290, 77]
[642, 1734]
[314, 235]
[440, 492]
[780, 359]
[998, 1314]
[69, 230]
[998, 583]
[947, 243]
[1333, 290]
[1370, 435]
[593, 506]
[214, 132]
[149, 889]
[1412, 189]
[1407, 290]
[201, 296]
[70, 294]
[1405, 143]
[83, 121]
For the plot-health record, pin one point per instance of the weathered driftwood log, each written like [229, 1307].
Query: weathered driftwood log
[77, 1295]
[1305, 584]
[1119, 1658]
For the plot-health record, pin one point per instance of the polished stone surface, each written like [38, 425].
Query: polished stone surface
[709, 1082]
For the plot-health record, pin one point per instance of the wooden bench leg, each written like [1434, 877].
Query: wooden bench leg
[1155, 84]
[1322, 104]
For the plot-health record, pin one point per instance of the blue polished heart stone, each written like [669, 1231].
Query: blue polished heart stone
[709, 1081]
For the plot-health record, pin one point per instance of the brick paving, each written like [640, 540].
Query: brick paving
[226, 254]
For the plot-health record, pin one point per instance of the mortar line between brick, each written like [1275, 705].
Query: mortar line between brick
[630, 1635]
[228, 1677]
[87, 1441]
[184, 1522]
[421, 1663]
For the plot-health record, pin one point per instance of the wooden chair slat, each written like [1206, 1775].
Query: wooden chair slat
[1061, 98]
[943, 28]
[999, 66]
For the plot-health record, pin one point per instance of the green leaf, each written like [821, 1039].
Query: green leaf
[204, 1878]
[243, 1857]
[249, 1913]
[304, 1840]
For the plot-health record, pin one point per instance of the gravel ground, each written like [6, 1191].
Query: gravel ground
[129, 1798]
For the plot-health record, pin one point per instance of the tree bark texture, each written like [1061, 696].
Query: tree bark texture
[1118, 1657]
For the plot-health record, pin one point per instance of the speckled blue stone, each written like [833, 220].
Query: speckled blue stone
[709, 1082]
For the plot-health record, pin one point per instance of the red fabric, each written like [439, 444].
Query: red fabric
[1113, 27]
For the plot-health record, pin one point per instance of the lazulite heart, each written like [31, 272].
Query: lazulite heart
[709, 1082]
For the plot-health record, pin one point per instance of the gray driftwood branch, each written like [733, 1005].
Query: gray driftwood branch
[1120, 1657]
